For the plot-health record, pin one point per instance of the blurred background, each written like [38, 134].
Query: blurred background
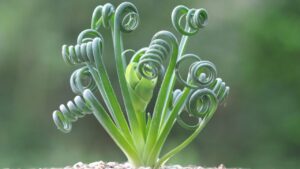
[254, 44]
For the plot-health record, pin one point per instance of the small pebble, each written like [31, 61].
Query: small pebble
[115, 165]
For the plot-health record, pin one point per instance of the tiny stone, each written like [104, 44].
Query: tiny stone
[111, 163]
[126, 165]
[94, 164]
[144, 168]
[221, 166]
[176, 166]
[78, 165]
[200, 168]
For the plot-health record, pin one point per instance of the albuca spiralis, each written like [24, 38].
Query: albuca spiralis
[138, 133]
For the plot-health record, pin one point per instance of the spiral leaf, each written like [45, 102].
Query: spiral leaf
[88, 35]
[150, 64]
[127, 17]
[199, 104]
[102, 16]
[82, 79]
[220, 89]
[69, 113]
[201, 73]
[83, 52]
[195, 19]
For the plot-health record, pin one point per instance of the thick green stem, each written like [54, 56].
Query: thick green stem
[110, 127]
[155, 151]
[118, 49]
[108, 94]
[181, 50]
[162, 99]
[167, 127]
[174, 151]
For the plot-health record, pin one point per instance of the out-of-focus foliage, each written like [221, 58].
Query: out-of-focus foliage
[255, 45]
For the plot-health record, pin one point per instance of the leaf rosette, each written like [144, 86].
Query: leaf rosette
[138, 130]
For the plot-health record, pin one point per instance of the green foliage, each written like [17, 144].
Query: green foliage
[253, 43]
[141, 135]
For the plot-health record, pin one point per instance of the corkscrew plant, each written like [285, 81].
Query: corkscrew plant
[141, 134]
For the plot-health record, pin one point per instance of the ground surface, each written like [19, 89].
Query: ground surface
[114, 165]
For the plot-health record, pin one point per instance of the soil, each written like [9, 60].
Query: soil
[114, 165]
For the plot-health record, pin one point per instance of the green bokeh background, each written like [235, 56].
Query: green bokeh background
[254, 44]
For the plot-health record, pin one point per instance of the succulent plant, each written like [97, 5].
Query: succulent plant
[141, 134]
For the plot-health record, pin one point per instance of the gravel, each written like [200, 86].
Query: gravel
[115, 165]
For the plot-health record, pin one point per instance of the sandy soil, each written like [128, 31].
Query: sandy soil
[114, 165]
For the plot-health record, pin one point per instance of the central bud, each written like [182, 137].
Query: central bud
[140, 88]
